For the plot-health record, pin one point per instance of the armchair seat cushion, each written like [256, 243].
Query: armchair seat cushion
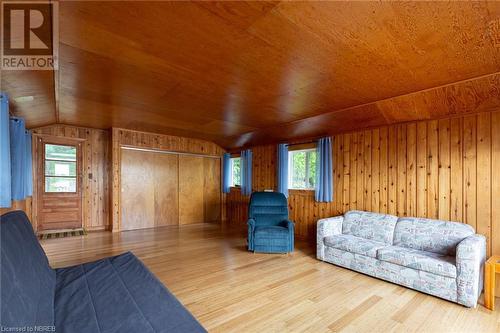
[430, 262]
[354, 244]
[271, 232]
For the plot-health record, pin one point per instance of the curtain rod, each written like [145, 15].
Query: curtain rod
[300, 143]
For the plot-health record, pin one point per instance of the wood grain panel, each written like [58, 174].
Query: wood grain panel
[212, 189]
[138, 189]
[135, 139]
[191, 189]
[454, 175]
[166, 185]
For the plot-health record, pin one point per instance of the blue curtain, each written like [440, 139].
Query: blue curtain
[283, 169]
[246, 172]
[5, 176]
[29, 166]
[226, 172]
[18, 158]
[324, 177]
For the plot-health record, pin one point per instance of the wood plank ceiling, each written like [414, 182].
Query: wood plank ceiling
[243, 73]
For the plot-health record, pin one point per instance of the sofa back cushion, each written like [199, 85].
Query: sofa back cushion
[374, 226]
[430, 235]
[268, 208]
[27, 281]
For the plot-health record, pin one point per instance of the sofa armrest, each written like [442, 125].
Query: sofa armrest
[251, 229]
[327, 227]
[470, 258]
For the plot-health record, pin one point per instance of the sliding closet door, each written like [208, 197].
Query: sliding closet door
[149, 185]
[191, 189]
[212, 189]
[166, 189]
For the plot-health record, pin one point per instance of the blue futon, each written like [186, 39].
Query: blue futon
[116, 294]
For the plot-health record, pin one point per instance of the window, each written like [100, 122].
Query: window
[235, 171]
[302, 169]
[60, 168]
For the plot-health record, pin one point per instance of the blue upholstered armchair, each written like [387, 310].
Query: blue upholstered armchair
[269, 229]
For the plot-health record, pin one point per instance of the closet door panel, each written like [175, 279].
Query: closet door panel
[166, 175]
[191, 189]
[137, 189]
[212, 189]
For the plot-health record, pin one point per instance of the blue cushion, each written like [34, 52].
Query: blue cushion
[27, 281]
[117, 294]
[271, 232]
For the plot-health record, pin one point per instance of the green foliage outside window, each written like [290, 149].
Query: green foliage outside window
[236, 171]
[303, 169]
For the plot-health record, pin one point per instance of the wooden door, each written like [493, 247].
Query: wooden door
[191, 189]
[149, 189]
[212, 189]
[59, 185]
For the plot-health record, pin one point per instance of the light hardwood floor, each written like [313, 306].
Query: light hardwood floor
[229, 289]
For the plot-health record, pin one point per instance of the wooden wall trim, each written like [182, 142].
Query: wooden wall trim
[158, 142]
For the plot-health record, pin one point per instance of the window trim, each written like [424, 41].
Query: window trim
[231, 178]
[290, 171]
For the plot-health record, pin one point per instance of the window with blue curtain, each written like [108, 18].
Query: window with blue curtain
[29, 166]
[18, 158]
[226, 172]
[246, 172]
[16, 178]
[324, 173]
[283, 169]
[5, 174]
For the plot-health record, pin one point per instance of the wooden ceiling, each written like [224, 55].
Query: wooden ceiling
[243, 73]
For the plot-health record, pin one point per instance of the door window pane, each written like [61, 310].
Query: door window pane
[61, 153]
[60, 184]
[60, 168]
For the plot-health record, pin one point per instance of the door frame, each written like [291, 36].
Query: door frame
[39, 141]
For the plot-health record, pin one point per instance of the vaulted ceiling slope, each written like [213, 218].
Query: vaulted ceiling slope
[241, 73]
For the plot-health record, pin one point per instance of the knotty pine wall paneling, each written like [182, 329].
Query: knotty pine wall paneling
[447, 169]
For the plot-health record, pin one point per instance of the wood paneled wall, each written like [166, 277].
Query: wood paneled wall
[129, 138]
[446, 169]
[96, 169]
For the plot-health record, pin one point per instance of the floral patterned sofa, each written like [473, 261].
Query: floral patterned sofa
[441, 258]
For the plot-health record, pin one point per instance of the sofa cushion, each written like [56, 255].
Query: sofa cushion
[368, 225]
[27, 281]
[354, 244]
[117, 294]
[434, 263]
[430, 235]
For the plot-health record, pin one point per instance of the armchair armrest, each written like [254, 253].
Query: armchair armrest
[470, 258]
[251, 229]
[327, 227]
